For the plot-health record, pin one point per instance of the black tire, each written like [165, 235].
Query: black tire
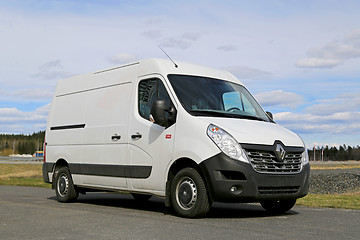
[278, 206]
[189, 196]
[64, 186]
[141, 197]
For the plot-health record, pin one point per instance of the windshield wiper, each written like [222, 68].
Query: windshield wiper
[212, 113]
[252, 117]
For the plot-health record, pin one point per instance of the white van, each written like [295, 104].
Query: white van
[190, 134]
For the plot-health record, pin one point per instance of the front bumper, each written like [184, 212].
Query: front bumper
[229, 180]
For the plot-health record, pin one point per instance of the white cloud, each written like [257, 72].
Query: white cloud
[280, 98]
[32, 94]
[334, 53]
[183, 41]
[227, 48]
[43, 110]
[15, 117]
[13, 120]
[153, 34]
[327, 120]
[192, 36]
[51, 70]
[314, 62]
[176, 43]
[122, 58]
[349, 102]
[243, 72]
[337, 123]
[154, 20]
[35, 93]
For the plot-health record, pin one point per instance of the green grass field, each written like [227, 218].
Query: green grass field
[31, 175]
[22, 175]
[347, 201]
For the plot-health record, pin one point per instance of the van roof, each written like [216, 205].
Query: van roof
[166, 67]
[130, 71]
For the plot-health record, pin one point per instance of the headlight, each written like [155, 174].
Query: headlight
[305, 155]
[226, 143]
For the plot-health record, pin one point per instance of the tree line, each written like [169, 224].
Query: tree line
[343, 153]
[21, 144]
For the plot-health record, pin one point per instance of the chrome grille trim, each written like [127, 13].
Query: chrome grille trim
[266, 162]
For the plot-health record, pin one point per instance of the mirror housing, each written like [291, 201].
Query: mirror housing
[158, 111]
[172, 115]
[270, 115]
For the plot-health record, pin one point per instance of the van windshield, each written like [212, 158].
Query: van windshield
[203, 96]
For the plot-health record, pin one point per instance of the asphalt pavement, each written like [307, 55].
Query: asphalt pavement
[34, 213]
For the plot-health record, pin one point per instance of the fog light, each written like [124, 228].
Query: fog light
[233, 189]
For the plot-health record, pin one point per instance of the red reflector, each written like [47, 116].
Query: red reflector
[44, 149]
[168, 136]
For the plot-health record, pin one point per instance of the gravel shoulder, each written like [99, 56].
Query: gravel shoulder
[335, 181]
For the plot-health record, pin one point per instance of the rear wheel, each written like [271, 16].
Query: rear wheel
[278, 206]
[189, 196]
[64, 186]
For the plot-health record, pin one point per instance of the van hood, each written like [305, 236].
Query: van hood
[256, 132]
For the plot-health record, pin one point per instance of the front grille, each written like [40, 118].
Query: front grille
[266, 162]
[279, 190]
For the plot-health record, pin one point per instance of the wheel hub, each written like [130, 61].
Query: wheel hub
[63, 185]
[186, 193]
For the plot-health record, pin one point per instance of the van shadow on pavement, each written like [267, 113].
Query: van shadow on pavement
[155, 204]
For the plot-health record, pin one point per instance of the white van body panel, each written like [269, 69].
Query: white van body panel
[255, 132]
[193, 136]
[97, 99]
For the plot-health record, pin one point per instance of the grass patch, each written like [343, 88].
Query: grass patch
[22, 175]
[29, 182]
[335, 165]
[347, 201]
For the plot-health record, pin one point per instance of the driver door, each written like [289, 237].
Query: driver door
[150, 144]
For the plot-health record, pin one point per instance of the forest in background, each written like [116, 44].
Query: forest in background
[342, 153]
[28, 144]
[21, 144]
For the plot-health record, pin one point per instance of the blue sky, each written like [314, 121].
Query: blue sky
[300, 59]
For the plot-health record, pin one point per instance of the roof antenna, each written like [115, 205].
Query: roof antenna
[168, 56]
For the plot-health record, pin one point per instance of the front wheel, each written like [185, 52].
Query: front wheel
[278, 206]
[64, 186]
[189, 196]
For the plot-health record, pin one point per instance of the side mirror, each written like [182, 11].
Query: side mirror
[172, 118]
[158, 111]
[162, 114]
[270, 115]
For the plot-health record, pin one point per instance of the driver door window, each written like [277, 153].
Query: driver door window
[149, 91]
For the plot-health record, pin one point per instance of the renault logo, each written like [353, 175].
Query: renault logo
[280, 152]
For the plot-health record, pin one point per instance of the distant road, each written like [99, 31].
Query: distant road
[22, 160]
[33, 213]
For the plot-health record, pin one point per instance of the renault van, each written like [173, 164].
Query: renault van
[186, 133]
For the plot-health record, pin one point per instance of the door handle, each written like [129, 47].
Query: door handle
[115, 137]
[136, 136]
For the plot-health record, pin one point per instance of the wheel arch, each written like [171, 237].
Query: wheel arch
[179, 164]
[59, 164]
